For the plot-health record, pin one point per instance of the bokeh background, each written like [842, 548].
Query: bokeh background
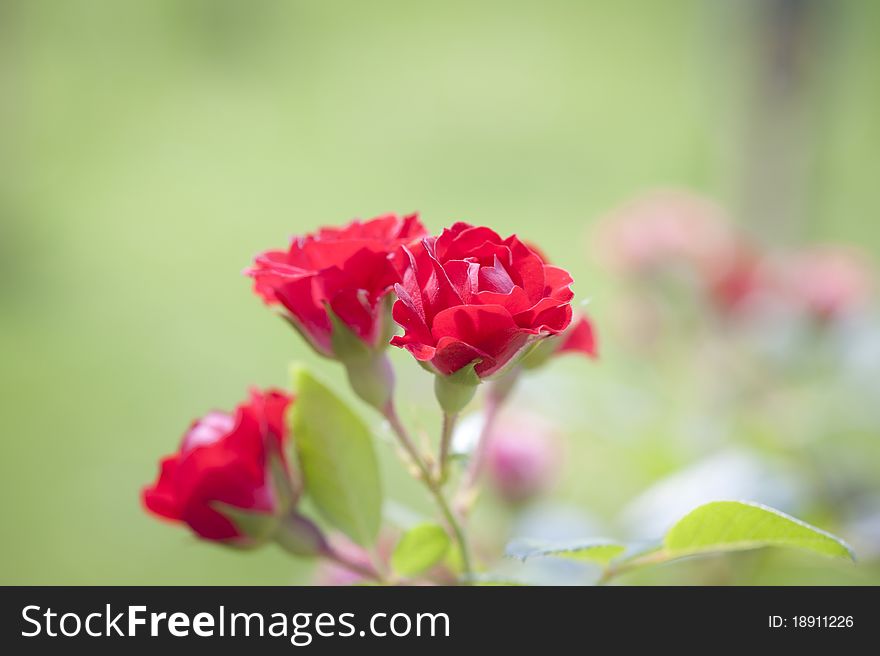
[150, 149]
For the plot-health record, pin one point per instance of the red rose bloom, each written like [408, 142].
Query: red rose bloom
[348, 269]
[223, 458]
[469, 295]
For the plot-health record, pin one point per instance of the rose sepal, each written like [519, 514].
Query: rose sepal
[255, 528]
[456, 390]
[368, 369]
[300, 536]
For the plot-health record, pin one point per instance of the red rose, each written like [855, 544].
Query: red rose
[470, 296]
[223, 458]
[348, 269]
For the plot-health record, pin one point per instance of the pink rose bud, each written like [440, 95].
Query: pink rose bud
[522, 458]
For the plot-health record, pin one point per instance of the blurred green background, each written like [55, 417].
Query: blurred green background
[150, 149]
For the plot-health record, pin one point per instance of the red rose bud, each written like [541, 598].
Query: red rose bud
[736, 281]
[579, 338]
[522, 459]
[331, 283]
[471, 303]
[229, 481]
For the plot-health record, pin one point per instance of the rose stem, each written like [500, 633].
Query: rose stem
[650, 558]
[449, 420]
[340, 559]
[433, 487]
[468, 492]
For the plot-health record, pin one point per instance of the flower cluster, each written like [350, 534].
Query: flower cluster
[671, 233]
[473, 307]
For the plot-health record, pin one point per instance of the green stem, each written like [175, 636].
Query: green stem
[434, 488]
[406, 441]
[651, 558]
[340, 559]
[449, 420]
[469, 489]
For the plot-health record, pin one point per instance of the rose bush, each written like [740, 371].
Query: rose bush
[472, 306]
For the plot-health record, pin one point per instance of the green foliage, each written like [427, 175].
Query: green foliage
[713, 528]
[339, 466]
[419, 549]
[735, 525]
[601, 552]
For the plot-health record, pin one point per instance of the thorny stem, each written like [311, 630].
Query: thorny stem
[433, 487]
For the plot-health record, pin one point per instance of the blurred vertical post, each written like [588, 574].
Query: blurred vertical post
[788, 38]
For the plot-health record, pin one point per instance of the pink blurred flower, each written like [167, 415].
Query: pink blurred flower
[522, 458]
[664, 229]
[825, 282]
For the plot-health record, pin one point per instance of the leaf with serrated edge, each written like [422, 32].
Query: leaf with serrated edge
[737, 525]
[596, 551]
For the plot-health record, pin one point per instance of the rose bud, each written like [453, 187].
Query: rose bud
[230, 481]
[579, 337]
[522, 459]
[472, 303]
[337, 276]
[737, 281]
[333, 284]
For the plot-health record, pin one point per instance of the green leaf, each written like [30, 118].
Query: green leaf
[420, 548]
[596, 551]
[338, 463]
[736, 525]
